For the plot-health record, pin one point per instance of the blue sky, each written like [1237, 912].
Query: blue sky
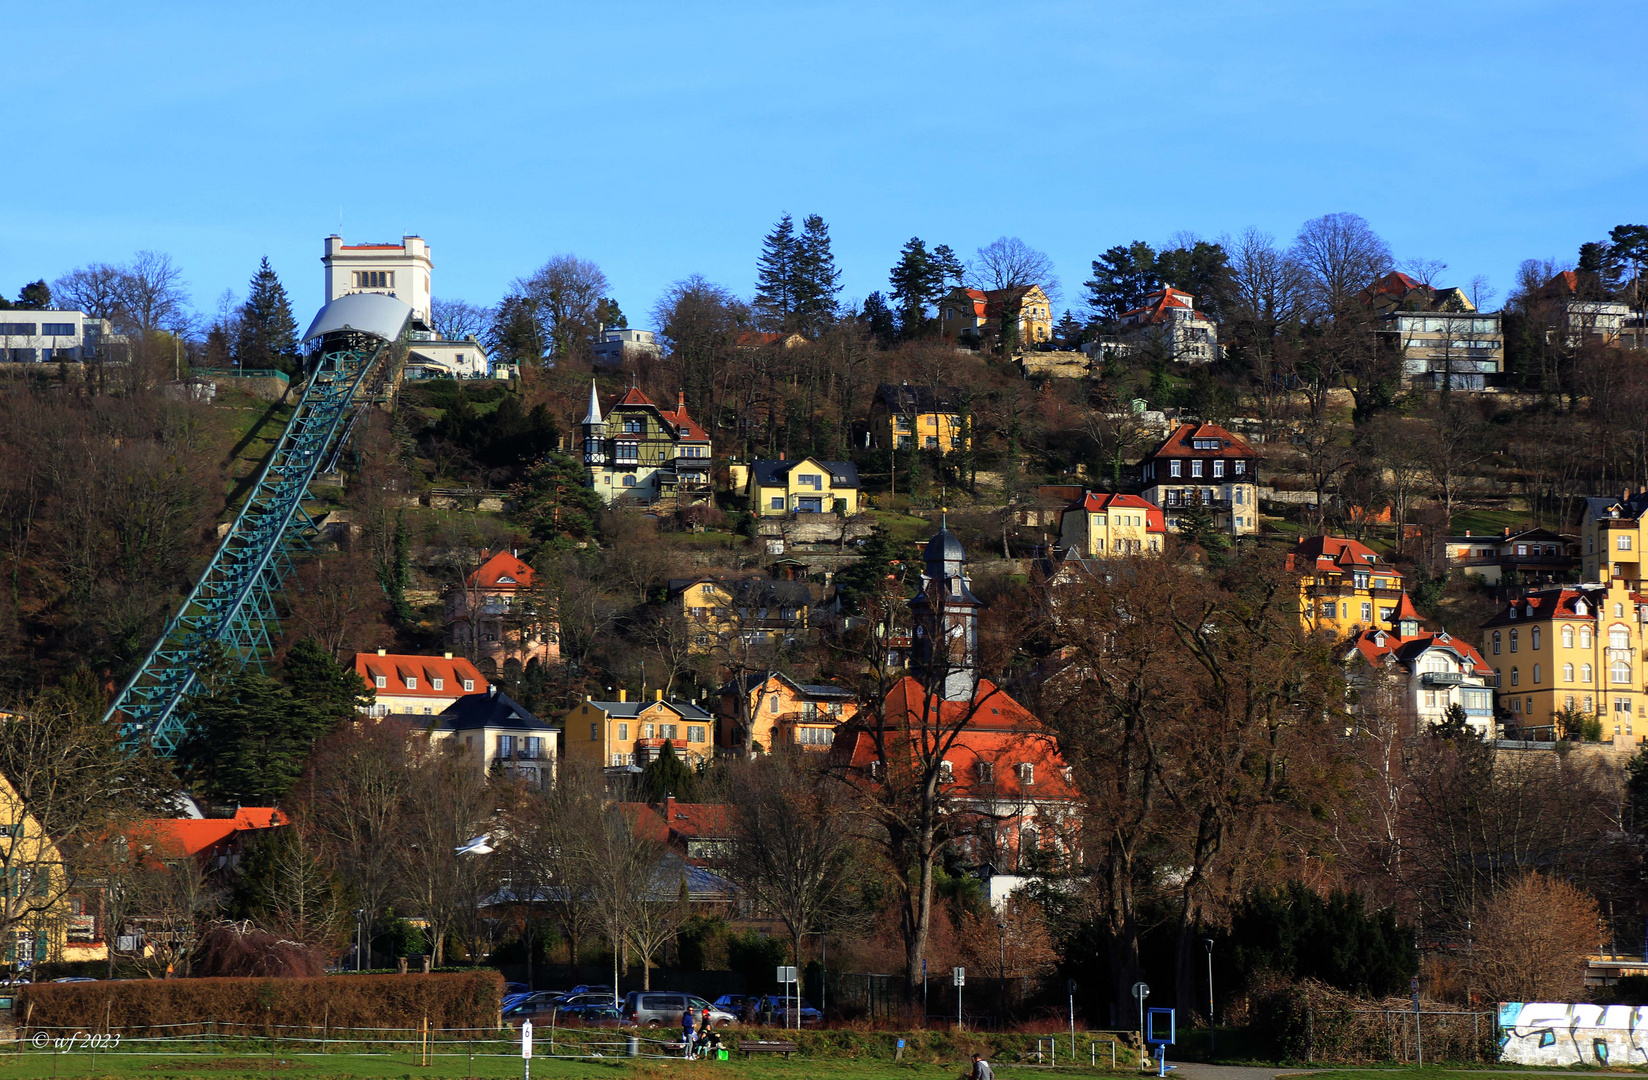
[662, 140]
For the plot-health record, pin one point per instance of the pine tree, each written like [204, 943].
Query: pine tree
[268, 332]
[775, 277]
[817, 281]
[313, 676]
[919, 282]
[36, 296]
[879, 320]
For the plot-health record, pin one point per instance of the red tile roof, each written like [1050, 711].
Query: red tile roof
[1406, 610]
[1181, 443]
[396, 669]
[994, 729]
[633, 396]
[1557, 604]
[1565, 282]
[1096, 502]
[503, 572]
[1374, 645]
[171, 838]
[685, 426]
[1156, 305]
[1335, 554]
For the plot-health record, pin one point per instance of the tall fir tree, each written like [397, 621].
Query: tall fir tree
[817, 281]
[919, 282]
[268, 336]
[775, 277]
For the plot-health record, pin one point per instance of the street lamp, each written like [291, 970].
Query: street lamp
[1212, 1033]
[360, 916]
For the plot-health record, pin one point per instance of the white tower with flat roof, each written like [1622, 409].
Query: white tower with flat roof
[400, 270]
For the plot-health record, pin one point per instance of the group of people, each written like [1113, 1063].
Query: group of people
[697, 1040]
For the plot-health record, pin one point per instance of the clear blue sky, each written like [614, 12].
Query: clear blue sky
[664, 139]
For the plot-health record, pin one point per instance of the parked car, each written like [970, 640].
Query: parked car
[577, 1001]
[594, 1016]
[597, 988]
[516, 988]
[519, 1005]
[655, 1008]
[732, 1003]
[780, 1009]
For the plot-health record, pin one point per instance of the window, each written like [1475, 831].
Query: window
[778, 502]
[1496, 643]
[1367, 612]
[695, 733]
[506, 746]
[646, 731]
[875, 770]
[772, 705]
[668, 731]
[18, 329]
[1219, 467]
[57, 329]
[1619, 637]
[628, 453]
[633, 426]
[986, 772]
[1027, 773]
[1360, 579]
[1619, 673]
[1196, 468]
[1567, 637]
[374, 279]
[1568, 703]
[594, 731]
[1330, 610]
[381, 682]
[411, 682]
[1430, 699]
[623, 733]
[1516, 676]
[946, 772]
[629, 481]
[1585, 637]
[469, 685]
[1533, 638]
[1241, 468]
[1173, 468]
[1536, 674]
[436, 684]
[930, 442]
[1624, 544]
[1585, 673]
[1513, 641]
[1568, 676]
[811, 480]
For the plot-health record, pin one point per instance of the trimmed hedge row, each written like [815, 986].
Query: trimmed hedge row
[468, 999]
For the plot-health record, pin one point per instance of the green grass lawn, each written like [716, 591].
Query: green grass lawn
[1489, 522]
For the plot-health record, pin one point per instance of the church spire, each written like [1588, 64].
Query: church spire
[946, 620]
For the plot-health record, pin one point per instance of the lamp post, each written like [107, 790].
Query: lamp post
[1001, 971]
[1212, 1032]
[360, 917]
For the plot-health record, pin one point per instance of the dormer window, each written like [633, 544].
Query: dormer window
[1027, 773]
[436, 684]
[946, 773]
[381, 682]
[411, 682]
[468, 685]
[505, 579]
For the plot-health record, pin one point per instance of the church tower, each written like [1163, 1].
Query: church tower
[595, 430]
[946, 621]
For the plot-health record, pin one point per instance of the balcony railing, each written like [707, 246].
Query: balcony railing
[1441, 678]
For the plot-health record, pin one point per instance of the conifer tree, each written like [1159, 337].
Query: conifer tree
[920, 280]
[775, 276]
[817, 281]
[268, 333]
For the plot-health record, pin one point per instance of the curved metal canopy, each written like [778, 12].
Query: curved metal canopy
[368, 313]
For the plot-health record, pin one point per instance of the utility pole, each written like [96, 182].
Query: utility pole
[1212, 1032]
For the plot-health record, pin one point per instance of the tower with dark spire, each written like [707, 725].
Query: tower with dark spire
[945, 614]
[595, 430]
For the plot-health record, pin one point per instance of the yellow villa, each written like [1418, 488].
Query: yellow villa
[1346, 587]
[1100, 525]
[1571, 652]
[808, 485]
[614, 734]
[41, 920]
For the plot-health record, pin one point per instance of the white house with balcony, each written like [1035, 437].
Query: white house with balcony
[1432, 672]
[620, 343]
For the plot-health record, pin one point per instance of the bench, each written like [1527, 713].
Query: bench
[785, 1048]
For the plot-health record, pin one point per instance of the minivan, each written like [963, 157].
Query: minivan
[658, 1008]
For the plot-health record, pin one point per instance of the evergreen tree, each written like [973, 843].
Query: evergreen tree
[919, 282]
[315, 677]
[555, 504]
[248, 736]
[36, 296]
[515, 336]
[1203, 271]
[1196, 526]
[879, 320]
[775, 277]
[882, 566]
[268, 332]
[1122, 277]
[817, 281]
[668, 775]
[610, 315]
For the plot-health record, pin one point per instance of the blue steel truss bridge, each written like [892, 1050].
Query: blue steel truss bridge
[232, 608]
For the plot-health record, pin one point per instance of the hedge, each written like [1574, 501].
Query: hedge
[468, 999]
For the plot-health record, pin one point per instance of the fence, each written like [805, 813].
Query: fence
[1368, 1036]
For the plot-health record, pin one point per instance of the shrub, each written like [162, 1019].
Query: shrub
[468, 999]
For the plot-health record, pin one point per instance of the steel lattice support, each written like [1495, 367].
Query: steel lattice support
[233, 603]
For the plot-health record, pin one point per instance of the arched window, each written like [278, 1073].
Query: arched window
[1585, 637]
[1567, 673]
[1516, 676]
[1534, 638]
[1619, 637]
[1536, 674]
[1567, 637]
[1496, 643]
[1513, 641]
[1585, 673]
[1619, 673]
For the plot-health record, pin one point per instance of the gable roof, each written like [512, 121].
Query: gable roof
[905, 398]
[1628, 506]
[1182, 443]
[1375, 645]
[843, 474]
[752, 680]
[493, 709]
[396, 669]
[685, 426]
[172, 838]
[502, 571]
[1335, 554]
[1159, 303]
[1096, 502]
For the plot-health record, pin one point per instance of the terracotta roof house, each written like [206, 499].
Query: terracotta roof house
[638, 453]
[417, 685]
[1203, 465]
[1102, 525]
[493, 614]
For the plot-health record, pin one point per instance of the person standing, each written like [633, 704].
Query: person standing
[686, 1033]
[982, 1070]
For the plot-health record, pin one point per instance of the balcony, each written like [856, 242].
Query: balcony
[1386, 594]
[1441, 678]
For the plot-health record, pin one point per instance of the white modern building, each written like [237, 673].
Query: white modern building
[430, 357]
[618, 344]
[28, 337]
[400, 270]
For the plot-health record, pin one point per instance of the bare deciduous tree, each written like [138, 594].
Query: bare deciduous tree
[457, 320]
[1531, 941]
[564, 292]
[1340, 255]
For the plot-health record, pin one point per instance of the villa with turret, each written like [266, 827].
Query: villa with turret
[637, 454]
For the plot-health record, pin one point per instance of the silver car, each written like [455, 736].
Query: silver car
[663, 1008]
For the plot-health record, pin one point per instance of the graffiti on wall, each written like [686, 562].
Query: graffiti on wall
[1554, 1033]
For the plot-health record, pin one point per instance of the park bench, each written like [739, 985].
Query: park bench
[785, 1048]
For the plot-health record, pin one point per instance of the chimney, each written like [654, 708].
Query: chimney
[1507, 530]
[1467, 532]
[680, 400]
[782, 455]
[623, 695]
[383, 652]
[658, 695]
[447, 656]
[669, 807]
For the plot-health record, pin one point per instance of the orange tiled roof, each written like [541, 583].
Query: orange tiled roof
[1335, 553]
[1099, 501]
[1181, 443]
[503, 571]
[398, 669]
[176, 837]
[685, 426]
[1156, 305]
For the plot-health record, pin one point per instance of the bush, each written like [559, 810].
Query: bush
[463, 1000]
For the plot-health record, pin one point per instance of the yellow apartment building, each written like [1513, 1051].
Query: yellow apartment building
[43, 922]
[721, 610]
[1611, 538]
[923, 417]
[776, 709]
[1575, 648]
[805, 486]
[1346, 587]
[613, 734]
[1101, 525]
